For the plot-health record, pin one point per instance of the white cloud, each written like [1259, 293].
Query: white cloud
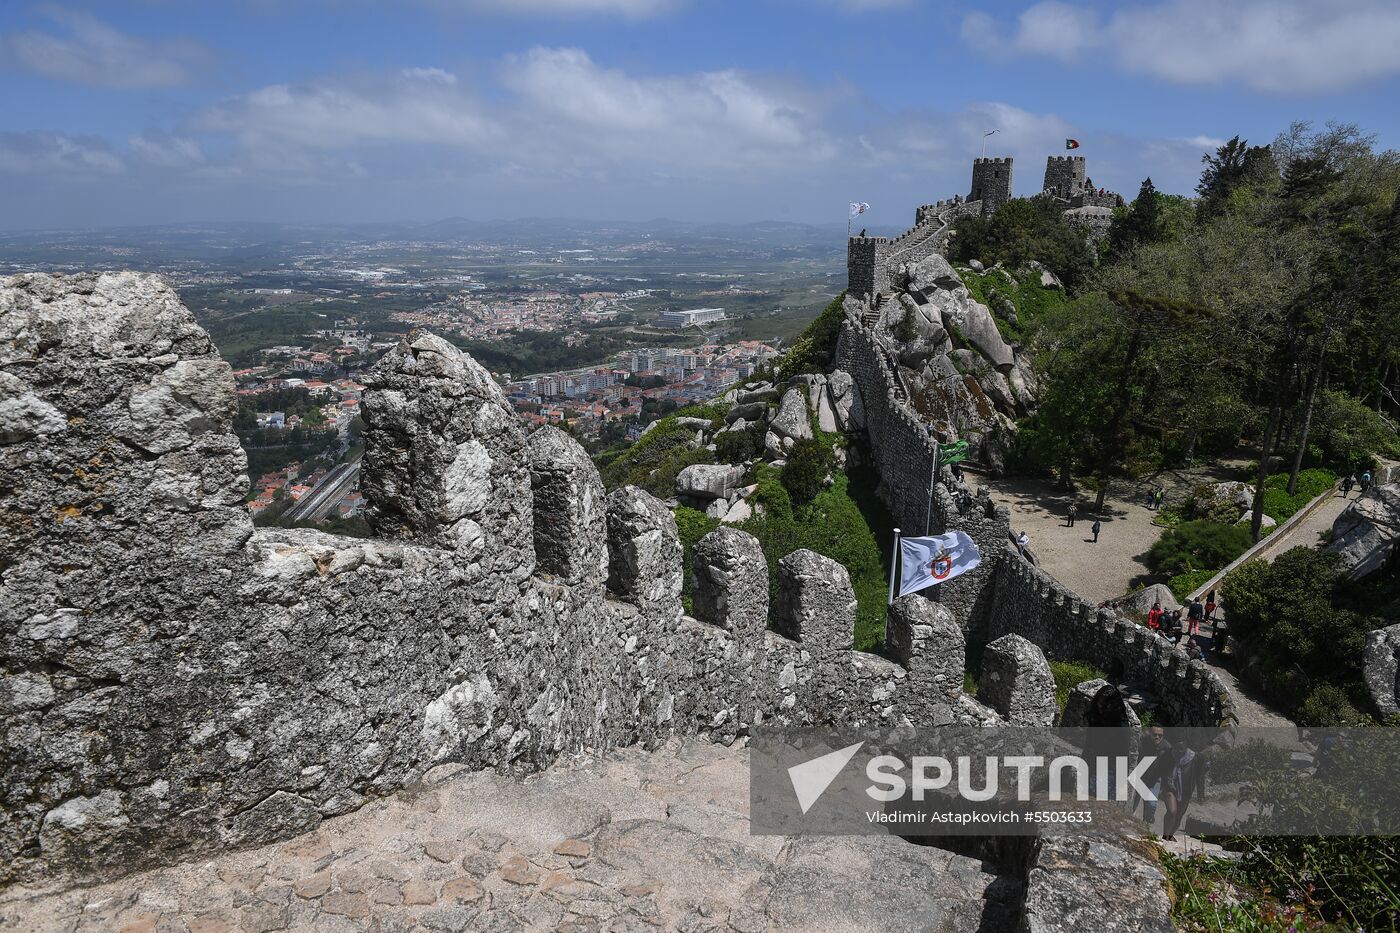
[93, 53]
[161, 150]
[1284, 46]
[335, 113]
[57, 154]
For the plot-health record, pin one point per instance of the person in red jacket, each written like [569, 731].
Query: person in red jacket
[1154, 618]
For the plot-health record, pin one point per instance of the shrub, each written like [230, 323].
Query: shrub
[1293, 615]
[1329, 705]
[804, 474]
[738, 446]
[1197, 545]
[1352, 434]
[1068, 675]
[1183, 584]
[815, 347]
[692, 525]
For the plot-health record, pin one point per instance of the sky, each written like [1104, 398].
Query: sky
[333, 111]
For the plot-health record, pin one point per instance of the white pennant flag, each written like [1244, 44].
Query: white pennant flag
[926, 561]
[858, 208]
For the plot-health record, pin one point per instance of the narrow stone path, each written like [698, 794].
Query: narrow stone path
[627, 841]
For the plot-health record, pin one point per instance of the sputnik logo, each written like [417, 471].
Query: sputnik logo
[811, 778]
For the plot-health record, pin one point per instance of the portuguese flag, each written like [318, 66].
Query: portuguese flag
[1071, 144]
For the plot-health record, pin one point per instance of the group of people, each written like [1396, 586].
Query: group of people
[1176, 623]
[1351, 480]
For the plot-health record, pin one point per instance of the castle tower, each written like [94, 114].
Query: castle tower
[1064, 175]
[991, 183]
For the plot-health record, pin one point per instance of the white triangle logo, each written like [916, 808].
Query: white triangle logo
[811, 778]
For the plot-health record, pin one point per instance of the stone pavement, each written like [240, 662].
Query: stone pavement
[626, 841]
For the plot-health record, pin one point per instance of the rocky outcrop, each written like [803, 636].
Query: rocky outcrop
[1382, 670]
[961, 375]
[791, 420]
[1138, 604]
[1364, 536]
[707, 481]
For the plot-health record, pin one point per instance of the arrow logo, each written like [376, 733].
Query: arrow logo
[811, 778]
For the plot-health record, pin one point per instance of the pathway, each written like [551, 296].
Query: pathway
[1115, 564]
[628, 841]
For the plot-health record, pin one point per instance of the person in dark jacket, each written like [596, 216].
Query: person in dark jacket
[1073, 513]
[1096, 528]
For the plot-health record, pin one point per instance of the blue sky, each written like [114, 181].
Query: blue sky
[160, 111]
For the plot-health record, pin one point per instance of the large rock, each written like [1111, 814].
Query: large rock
[923, 636]
[1138, 604]
[708, 480]
[1232, 492]
[1382, 670]
[1364, 535]
[1017, 683]
[792, 420]
[1081, 698]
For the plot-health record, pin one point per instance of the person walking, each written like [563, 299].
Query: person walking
[1210, 608]
[1096, 528]
[1073, 512]
[1365, 482]
[1187, 779]
[1161, 497]
[1348, 481]
[1156, 747]
[1194, 614]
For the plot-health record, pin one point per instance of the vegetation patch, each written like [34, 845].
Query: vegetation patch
[1070, 674]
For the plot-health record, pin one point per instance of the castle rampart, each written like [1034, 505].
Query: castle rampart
[177, 681]
[991, 182]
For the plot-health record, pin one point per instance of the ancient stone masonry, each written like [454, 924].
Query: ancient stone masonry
[991, 183]
[176, 681]
[872, 262]
[1029, 603]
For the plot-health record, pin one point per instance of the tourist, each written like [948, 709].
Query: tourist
[1186, 779]
[1193, 650]
[1073, 511]
[1154, 617]
[1173, 623]
[1365, 482]
[1194, 614]
[1156, 747]
[1348, 481]
[1023, 541]
[1161, 497]
[1096, 528]
[1210, 608]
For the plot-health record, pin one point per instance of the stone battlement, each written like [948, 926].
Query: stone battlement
[178, 681]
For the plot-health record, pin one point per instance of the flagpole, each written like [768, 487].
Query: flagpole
[932, 480]
[894, 565]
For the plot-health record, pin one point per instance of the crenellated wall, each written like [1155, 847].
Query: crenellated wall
[176, 681]
[1030, 603]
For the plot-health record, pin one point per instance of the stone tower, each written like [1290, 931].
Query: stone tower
[991, 183]
[1064, 175]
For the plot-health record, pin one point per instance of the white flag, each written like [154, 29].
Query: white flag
[858, 208]
[926, 561]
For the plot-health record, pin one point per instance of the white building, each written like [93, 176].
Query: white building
[687, 318]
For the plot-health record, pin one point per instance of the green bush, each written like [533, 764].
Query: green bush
[1297, 618]
[653, 462]
[1329, 705]
[808, 464]
[1070, 674]
[1183, 584]
[739, 446]
[1352, 434]
[815, 347]
[692, 525]
[1197, 545]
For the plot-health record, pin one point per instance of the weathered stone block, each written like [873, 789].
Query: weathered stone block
[1017, 683]
[571, 530]
[924, 637]
[644, 552]
[816, 604]
[731, 582]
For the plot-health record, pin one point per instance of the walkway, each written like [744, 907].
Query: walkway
[631, 840]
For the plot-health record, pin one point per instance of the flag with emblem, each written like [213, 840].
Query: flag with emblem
[924, 562]
[858, 208]
[1071, 144]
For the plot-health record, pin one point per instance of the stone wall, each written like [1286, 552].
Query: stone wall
[991, 183]
[176, 681]
[1030, 603]
[921, 503]
[1064, 175]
